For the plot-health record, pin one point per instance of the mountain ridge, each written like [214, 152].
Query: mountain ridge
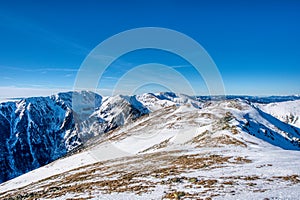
[43, 129]
[218, 149]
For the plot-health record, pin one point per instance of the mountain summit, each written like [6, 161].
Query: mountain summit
[39, 130]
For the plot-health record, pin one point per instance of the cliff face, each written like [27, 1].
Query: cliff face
[32, 134]
[38, 130]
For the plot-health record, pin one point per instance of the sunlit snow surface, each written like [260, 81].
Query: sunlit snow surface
[288, 111]
[183, 149]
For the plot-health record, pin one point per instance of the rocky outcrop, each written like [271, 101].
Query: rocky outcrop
[35, 131]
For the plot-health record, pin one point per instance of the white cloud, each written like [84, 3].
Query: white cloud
[41, 69]
[19, 92]
[181, 66]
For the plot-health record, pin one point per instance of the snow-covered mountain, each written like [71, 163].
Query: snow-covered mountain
[178, 148]
[287, 111]
[36, 131]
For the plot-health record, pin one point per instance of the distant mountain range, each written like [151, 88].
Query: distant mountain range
[36, 131]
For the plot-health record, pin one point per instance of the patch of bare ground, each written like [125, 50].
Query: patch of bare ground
[209, 187]
[252, 185]
[125, 183]
[205, 194]
[199, 137]
[208, 139]
[197, 161]
[217, 141]
[250, 142]
[182, 195]
[138, 174]
[246, 178]
[176, 195]
[227, 140]
[242, 160]
[292, 178]
[207, 115]
[204, 187]
[234, 130]
[264, 165]
[234, 104]
[161, 145]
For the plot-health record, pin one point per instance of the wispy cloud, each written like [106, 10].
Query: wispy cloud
[109, 77]
[69, 75]
[27, 69]
[20, 92]
[181, 66]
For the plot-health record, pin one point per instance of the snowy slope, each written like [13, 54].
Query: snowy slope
[288, 111]
[39, 130]
[161, 100]
[223, 150]
[36, 131]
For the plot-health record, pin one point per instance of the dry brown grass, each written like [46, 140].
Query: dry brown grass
[197, 161]
[125, 176]
[207, 116]
[209, 141]
[242, 160]
[292, 178]
[234, 104]
[161, 145]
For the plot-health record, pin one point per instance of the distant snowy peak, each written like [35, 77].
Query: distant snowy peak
[288, 111]
[116, 111]
[156, 101]
[35, 131]
[263, 100]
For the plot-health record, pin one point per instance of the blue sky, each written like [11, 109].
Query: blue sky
[255, 44]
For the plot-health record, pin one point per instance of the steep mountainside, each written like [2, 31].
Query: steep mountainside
[36, 131]
[217, 149]
[288, 111]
